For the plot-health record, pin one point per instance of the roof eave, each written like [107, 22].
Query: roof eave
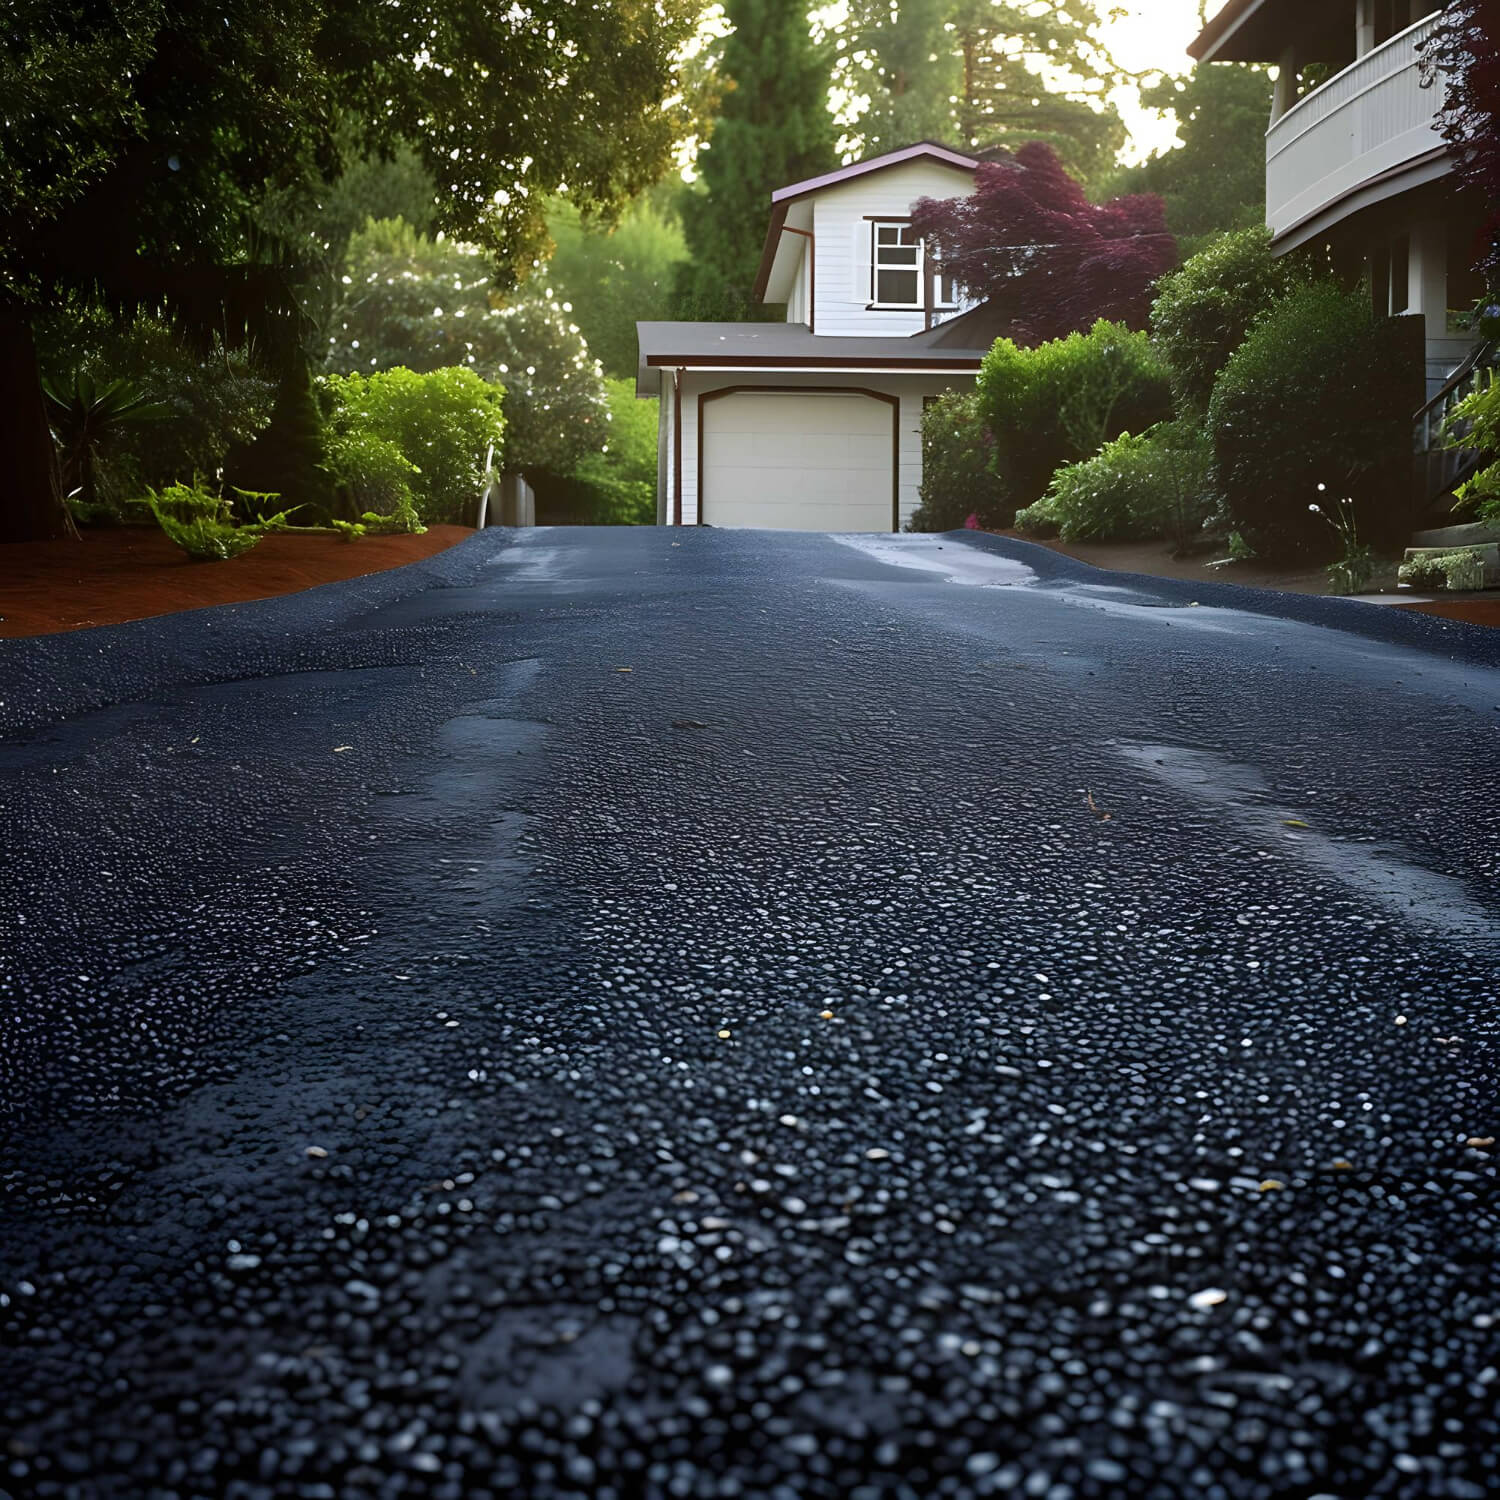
[768, 254]
[1209, 44]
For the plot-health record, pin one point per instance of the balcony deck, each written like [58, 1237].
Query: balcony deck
[1368, 132]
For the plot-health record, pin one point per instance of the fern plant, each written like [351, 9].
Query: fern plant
[199, 522]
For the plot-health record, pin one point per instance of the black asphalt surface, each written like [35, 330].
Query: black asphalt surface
[656, 1014]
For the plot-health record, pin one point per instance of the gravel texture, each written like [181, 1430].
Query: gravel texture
[651, 1014]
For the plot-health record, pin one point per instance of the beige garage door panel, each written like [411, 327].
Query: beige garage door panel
[797, 462]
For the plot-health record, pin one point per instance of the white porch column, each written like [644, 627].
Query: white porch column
[1285, 94]
[1427, 276]
[1364, 27]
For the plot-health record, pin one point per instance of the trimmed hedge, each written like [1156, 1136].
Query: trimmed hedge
[1058, 403]
[1321, 393]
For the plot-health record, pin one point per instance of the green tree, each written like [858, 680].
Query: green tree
[1215, 180]
[611, 276]
[774, 127]
[429, 304]
[140, 139]
[981, 75]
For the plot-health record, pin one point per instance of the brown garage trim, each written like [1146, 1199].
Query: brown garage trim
[901, 365]
[677, 447]
[894, 402]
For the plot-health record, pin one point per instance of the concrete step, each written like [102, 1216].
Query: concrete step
[1475, 534]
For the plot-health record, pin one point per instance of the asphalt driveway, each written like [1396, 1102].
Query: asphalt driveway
[640, 1013]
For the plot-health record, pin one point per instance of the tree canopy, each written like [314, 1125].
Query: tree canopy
[1048, 261]
[614, 275]
[774, 127]
[1465, 48]
[175, 121]
[426, 304]
[981, 74]
[1214, 181]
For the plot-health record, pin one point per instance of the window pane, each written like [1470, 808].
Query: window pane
[888, 234]
[898, 287]
[898, 255]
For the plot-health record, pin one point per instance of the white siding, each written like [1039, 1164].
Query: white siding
[841, 227]
[797, 307]
[909, 388]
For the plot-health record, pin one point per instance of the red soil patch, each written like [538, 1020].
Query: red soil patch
[110, 576]
[1470, 610]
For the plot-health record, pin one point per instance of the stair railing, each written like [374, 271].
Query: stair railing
[1445, 465]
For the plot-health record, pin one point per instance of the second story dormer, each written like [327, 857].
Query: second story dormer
[840, 252]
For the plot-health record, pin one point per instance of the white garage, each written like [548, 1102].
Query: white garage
[798, 459]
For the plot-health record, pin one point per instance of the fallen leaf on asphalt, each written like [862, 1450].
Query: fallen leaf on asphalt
[339, 749]
[195, 739]
[1295, 823]
[1094, 807]
[723, 1036]
[827, 1015]
[1271, 1185]
[1340, 1165]
[1480, 1142]
[624, 669]
[316, 1152]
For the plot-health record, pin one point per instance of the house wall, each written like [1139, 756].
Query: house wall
[841, 229]
[910, 389]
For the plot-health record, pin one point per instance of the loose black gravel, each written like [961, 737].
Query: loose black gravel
[650, 1013]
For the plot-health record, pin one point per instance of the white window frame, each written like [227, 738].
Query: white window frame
[945, 293]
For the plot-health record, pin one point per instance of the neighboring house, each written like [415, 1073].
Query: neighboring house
[814, 424]
[1353, 155]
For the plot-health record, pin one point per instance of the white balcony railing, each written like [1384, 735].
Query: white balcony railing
[1371, 119]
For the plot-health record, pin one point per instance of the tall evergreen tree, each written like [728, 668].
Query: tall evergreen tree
[1215, 181]
[981, 75]
[774, 127]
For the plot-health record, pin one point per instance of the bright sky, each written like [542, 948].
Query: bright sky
[1145, 34]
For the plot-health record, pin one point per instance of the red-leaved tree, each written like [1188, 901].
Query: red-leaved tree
[1049, 262]
[1464, 46]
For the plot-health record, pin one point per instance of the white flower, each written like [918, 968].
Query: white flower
[1317, 510]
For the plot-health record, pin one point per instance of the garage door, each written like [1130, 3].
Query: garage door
[798, 461]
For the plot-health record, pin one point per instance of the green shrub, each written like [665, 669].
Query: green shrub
[1133, 489]
[1058, 403]
[1203, 311]
[958, 478]
[442, 424]
[199, 522]
[1317, 400]
[1475, 423]
[212, 400]
[370, 471]
[1461, 569]
[622, 479]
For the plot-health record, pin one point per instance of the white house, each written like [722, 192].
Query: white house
[1354, 160]
[814, 424]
